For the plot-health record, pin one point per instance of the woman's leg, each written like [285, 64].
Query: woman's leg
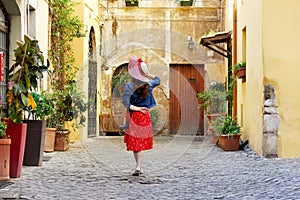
[138, 156]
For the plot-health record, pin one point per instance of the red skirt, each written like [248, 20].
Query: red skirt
[138, 136]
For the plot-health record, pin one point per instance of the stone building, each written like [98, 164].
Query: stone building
[166, 35]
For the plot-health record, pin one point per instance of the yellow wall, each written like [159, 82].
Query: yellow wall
[87, 11]
[250, 93]
[272, 56]
[281, 65]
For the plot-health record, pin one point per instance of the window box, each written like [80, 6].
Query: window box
[240, 69]
[186, 3]
[132, 3]
[241, 72]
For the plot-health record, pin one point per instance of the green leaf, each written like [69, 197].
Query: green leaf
[24, 99]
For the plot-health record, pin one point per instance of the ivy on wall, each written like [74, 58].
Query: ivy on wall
[65, 26]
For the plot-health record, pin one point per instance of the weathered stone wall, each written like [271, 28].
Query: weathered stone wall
[159, 35]
[271, 123]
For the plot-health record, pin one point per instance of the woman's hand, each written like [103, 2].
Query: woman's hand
[148, 75]
[139, 109]
[144, 110]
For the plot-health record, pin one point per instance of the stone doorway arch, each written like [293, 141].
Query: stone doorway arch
[92, 87]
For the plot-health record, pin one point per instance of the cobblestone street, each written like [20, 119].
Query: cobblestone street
[177, 168]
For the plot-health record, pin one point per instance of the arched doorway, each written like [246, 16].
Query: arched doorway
[92, 91]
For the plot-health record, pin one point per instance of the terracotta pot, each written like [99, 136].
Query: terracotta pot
[62, 140]
[214, 116]
[17, 134]
[4, 159]
[49, 140]
[213, 136]
[229, 142]
[241, 72]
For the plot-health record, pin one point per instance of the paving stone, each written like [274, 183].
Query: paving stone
[177, 168]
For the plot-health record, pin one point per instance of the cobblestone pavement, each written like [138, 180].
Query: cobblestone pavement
[177, 168]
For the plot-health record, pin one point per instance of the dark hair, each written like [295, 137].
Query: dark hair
[141, 88]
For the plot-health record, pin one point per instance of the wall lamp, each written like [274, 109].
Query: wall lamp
[191, 43]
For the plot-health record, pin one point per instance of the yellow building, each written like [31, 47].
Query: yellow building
[267, 38]
[89, 62]
[19, 18]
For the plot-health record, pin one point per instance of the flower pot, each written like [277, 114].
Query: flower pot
[131, 3]
[186, 3]
[17, 134]
[35, 139]
[241, 72]
[49, 140]
[213, 116]
[213, 136]
[4, 159]
[62, 140]
[229, 142]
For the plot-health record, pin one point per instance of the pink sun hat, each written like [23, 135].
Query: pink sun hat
[138, 69]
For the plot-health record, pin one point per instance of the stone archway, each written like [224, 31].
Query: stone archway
[92, 88]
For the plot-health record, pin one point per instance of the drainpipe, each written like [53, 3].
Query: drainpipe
[234, 58]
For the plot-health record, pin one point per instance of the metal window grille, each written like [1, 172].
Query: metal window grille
[4, 49]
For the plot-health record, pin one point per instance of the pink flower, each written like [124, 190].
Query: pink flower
[10, 85]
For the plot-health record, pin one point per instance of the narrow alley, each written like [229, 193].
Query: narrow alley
[181, 167]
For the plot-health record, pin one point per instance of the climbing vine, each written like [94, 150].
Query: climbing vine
[65, 26]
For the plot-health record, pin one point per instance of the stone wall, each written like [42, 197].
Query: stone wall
[271, 123]
[159, 35]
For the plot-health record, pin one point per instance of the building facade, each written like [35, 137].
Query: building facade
[165, 35]
[267, 99]
[19, 18]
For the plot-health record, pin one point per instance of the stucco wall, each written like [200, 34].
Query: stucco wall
[38, 26]
[272, 41]
[159, 36]
[42, 33]
[87, 12]
[250, 93]
[281, 68]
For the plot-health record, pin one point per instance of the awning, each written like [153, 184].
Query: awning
[213, 43]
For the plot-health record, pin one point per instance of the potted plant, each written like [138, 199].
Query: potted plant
[36, 132]
[25, 74]
[132, 3]
[69, 105]
[44, 109]
[240, 69]
[213, 100]
[5, 150]
[229, 133]
[185, 2]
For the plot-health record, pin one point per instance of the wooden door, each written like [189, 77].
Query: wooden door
[186, 81]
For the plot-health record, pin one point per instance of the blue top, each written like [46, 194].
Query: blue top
[131, 98]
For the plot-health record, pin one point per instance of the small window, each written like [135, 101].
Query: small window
[132, 3]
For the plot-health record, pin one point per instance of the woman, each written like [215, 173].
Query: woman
[138, 99]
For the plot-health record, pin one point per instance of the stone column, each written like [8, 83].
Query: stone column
[271, 123]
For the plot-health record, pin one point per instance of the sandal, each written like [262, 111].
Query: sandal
[136, 173]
